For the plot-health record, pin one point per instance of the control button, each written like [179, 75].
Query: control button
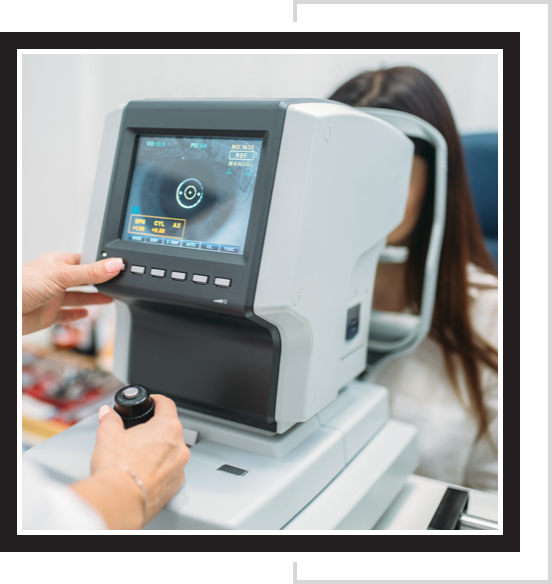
[210, 246]
[353, 321]
[124, 267]
[178, 276]
[136, 238]
[130, 392]
[191, 244]
[134, 404]
[154, 240]
[138, 270]
[223, 282]
[230, 248]
[198, 279]
[157, 273]
[172, 242]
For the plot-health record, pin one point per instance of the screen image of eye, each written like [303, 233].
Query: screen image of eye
[187, 189]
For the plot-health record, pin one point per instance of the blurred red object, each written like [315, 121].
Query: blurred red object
[74, 390]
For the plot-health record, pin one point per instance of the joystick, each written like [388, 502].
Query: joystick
[134, 404]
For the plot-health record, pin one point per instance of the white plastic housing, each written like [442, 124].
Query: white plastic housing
[101, 186]
[340, 188]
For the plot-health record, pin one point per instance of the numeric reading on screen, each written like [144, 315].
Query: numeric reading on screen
[157, 226]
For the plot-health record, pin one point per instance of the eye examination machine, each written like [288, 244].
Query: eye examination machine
[251, 231]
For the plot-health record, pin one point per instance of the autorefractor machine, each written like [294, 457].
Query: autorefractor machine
[251, 231]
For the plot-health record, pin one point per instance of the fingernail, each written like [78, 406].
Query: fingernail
[114, 265]
[103, 411]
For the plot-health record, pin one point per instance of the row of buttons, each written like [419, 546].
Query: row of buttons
[187, 244]
[181, 276]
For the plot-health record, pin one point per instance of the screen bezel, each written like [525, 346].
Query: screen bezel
[112, 236]
[246, 119]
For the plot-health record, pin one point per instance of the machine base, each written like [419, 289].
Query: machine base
[359, 496]
[343, 473]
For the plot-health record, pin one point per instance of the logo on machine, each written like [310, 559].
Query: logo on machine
[221, 301]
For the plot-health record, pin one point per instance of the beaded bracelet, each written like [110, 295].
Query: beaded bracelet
[136, 479]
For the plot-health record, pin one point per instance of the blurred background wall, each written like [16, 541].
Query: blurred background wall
[66, 97]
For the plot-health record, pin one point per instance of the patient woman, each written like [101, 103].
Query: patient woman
[447, 387]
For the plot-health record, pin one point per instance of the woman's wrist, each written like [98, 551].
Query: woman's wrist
[115, 495]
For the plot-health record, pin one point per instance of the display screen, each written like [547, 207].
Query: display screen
[192, 192]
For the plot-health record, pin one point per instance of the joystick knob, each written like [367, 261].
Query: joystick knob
[134, 404]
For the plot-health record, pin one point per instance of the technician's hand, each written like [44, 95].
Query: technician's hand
[45, 281]
[155, 451]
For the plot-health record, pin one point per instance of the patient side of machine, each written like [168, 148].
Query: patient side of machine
[340, 188]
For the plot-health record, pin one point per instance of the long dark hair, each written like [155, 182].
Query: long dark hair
[410, 90]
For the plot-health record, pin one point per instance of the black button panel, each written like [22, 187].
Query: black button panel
[178, 276]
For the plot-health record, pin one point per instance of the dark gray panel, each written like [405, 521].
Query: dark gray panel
[206, 362]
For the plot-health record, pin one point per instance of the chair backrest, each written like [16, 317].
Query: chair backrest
[481, 152]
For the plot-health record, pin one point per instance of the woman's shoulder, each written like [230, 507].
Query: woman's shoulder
[479, 278]
[483, 293]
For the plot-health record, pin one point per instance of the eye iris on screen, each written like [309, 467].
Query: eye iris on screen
[189, 193]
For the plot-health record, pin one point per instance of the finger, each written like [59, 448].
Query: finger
[70, 315]
[85, 298]
[110, 421]
[83, 274]
[102, 412]
[70, 258]
[65, 257]
[164, 407]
